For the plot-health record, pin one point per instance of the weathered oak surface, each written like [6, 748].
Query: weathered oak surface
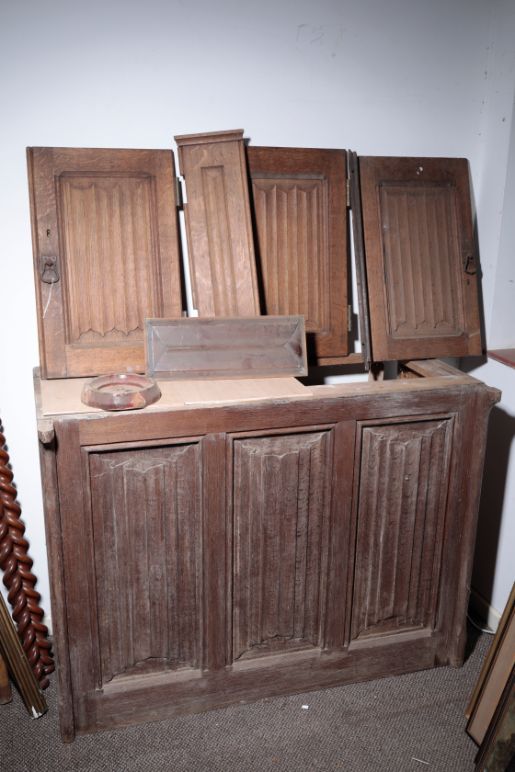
[299, 209]
[218, 224]
[106, 254]
[238, 551]
[421, 262]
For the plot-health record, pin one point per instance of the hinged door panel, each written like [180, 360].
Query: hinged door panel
[420, 256]
[106, 254]
[299, 207]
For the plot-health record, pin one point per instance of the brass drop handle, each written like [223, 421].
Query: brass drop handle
[48, 268]
[469, 265]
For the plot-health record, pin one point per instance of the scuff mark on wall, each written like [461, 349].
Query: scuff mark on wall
[326, 37]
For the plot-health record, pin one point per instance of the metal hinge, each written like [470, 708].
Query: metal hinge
[349, 318]
[347, 190]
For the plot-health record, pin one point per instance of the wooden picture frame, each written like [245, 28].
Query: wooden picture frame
[17, 665]
[494, 675]
[497, 751]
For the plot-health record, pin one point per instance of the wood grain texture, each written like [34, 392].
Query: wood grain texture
[146, 530]
[281, 499]
[504, 355]
[218, 224]
[329, 539]
[299, 208]
[53, 534]
[403, 480]
[5, 685]
[226, 348]
[13, 655]
[108, 221]
[421, 263]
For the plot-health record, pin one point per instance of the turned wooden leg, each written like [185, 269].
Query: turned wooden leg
[16, 565]
[5, 686]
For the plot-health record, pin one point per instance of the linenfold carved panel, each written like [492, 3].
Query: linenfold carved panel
[107, 238]
[146, 521]
[288, 249]
[422, 261]
[281, 500]
[422, 270]
[106, 255]
[299, 208]
[403, 479]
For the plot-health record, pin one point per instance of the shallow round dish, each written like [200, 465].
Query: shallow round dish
[120, 391]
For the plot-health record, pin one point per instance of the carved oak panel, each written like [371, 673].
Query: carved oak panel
[146, 528]
[103, 255]
[403, 482]
[420, 254]
[298, 198]
[425, 295]
[218, 224]
[281, 501]
[106, 254]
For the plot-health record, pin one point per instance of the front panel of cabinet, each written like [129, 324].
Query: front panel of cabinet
[145, 507]
[135, 607]
[238, 564]
[403, 482]
[280, 516]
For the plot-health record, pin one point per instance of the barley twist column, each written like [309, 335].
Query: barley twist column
[18, 577]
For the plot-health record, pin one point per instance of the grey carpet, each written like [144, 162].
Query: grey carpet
[413, 722]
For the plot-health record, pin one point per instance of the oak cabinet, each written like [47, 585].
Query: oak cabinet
[206, 555]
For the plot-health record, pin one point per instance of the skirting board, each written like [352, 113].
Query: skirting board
[482, 610]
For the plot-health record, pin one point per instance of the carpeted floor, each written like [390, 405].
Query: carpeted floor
[413, 722]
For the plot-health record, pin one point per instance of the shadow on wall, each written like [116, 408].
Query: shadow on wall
[501, 432]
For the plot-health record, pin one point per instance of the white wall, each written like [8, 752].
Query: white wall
[494, 563]
[382, 77]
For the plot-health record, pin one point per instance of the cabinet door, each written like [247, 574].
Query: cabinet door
[105, 255]
[420, 256]
[403, 478]
[299, 207]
